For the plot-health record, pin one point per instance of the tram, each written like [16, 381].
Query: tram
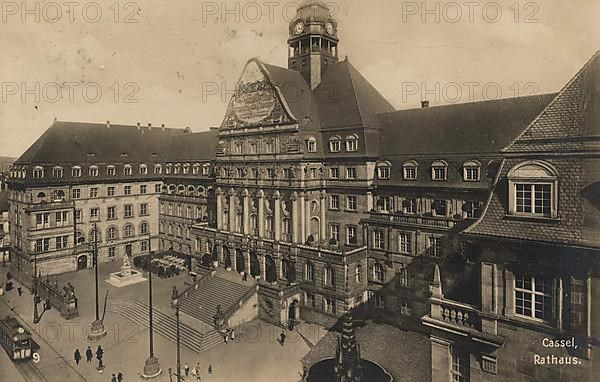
[15, 339]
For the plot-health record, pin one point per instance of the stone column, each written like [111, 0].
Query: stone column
[219, 194]
[233, 257]
[247, 260]
[246, 212]
[263, 267]
[277, 214]
[261, 214]
[232, 210]
[302, 211]
[307, 217]
[294, 217]
[323, 233]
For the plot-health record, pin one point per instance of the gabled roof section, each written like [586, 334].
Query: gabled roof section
[80, 142]
[346, 99]
[477, 127]
[572, 121]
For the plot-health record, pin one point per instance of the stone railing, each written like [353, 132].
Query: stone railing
[63, 204]
[455, 313]
[194, 286]
[232, 309]
[429, 221]
[63, 300]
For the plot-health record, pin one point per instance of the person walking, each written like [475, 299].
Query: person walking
[282, 338]
[210, 369]
[232, 335]
[89, 355]
[226, 338]
[77, 356]
[186, 368]
[19, 291]
[99, 355]
[120, 377]
[114, 378]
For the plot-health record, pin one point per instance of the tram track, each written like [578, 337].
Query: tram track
[30, 372]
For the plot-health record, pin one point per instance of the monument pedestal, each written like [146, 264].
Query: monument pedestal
[151, 368]
[97, 331]
[127, 275]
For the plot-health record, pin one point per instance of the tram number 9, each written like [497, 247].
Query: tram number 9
[36, 357]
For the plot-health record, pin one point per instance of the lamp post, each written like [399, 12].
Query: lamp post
[175, 304]
[151, 367]
[97, 330]
[36, 298]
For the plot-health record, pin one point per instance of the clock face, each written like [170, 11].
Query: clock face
[329, 28]
[299, 28]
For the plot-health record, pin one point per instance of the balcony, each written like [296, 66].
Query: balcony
[183, 198]
[45, 206]
[443, 222]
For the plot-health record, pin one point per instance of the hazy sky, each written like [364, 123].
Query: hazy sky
[180, 53]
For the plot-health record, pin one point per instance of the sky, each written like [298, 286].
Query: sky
[177, 62]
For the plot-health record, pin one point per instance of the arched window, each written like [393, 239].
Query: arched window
[127, 170]
[128, 230]
[384, 170]
[402, 275]
[206, 169]
[201, 191]
[143, 169]
[93, 171]
[191, 190]
[253, 225]
[309, 271]
[328, 275]
[181, 189]
[533, 189]
[439, 170]
[57, 172]
[95, 236]
[111, 170]
[157, 169]
[172, 189]
[177, 169]
[311, 145]
[111, 233]
[286, 230]
[196, 169]
[378, 272]
[472, 171]
[410, 170]
[335, 144]
[41, 195]
[358, 273]
[76, 171]
[352, 143]
[144, 228]
[186, 169]
[38, 172]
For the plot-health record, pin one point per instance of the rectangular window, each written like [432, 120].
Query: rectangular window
[435, 246]
[157, 188]
[385, 204]
[62, 218]
[111, 213]
[128, 211]
[439, 173]
[76, 193]
[112, 251]
[42, 245]
[110, 191]
[440, 207]
[144, 209]
[351, 235]
[76, 172]
[287, 173]
[405, 242]
[410, 173]
[93, 192]
[383, 172]
[473, 209]
[57, 172]
[127, 190]
[335, 146]
[533, 198]
[42, 220]
[351, 203]
[378, 242]
[334, 202]
[404, 308]
[351, 173]
[143, 189]
[78, 216]
[62, 242]
[334, 173]
[94, 214]
[334, 232]
[144, 246]
[472, 174]
[459, 368]
[533, 297]
[410, 206]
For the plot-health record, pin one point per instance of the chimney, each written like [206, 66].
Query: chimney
[108, 124]
[424, 104]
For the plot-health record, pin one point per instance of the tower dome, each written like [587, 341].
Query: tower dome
[314, 11]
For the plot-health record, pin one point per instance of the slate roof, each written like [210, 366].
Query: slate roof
[73, 142]
[475, 127]
[193, 146]
[569, 123]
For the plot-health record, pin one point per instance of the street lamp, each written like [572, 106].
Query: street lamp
[175, 304]
[36, 297]
[151, 367]
[97, 331]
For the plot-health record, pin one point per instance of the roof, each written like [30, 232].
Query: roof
[346, 99]
[475, 127]
[193, 146]
[80, 142]
[569, 125]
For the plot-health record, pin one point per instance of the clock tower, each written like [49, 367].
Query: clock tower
[313, 42]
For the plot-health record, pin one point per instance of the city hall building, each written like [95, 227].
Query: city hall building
[476, 223]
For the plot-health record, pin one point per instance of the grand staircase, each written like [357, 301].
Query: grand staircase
[195, 338]
[201, 303]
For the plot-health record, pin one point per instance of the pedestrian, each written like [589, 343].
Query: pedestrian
[282, 338]
[114, 378]
[186, 368]
[232, 335]
[245, 277]
[89, 355]
[226, 338]
[120, 377]
[304, 372]
[77, 356]
[210, 369]
[20, 291]
[99, 355]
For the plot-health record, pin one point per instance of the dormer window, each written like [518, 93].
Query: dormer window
[268, 147]
[168, 169]
[196, 169]
[177, 169]
[127, 170]
[410, 170]
[111, 171]
[76, 172]
[311, 145]
[93, 171]
[57, 172]
[239, 147]
[383, 170]
[352, 143]
[205, 169]
[335, 144]
[439, 170]
[186, 169]
[38, 172]
[533, 190]
[157, 169]
[143, 169]
[472, 171]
